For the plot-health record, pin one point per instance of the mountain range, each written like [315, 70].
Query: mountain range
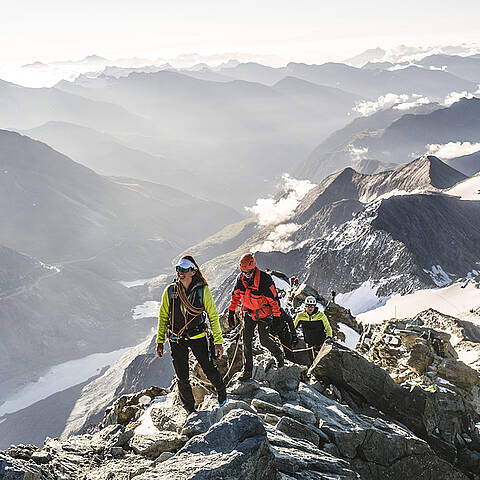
[62, 212]
[380, 230]
[392, 136]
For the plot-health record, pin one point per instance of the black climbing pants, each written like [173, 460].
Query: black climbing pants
[314, 336]
[265, 340]
[180, 352]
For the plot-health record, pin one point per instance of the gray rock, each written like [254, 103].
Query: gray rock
[301, 459]
[286, 378]
[236, 447]
[163, 457]
[197, 423]
[219, 412]
[41, 457]
[459, 374]
[295, 429]
[296, 412]
[153, 445]
[268, 395]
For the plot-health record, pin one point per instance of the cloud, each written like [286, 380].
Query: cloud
[273, 211]
[357, 154]
[278, 239]
[452, 149]
[397, 101]
[454, 97]
[416, 101]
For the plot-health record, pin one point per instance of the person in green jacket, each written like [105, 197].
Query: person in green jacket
[185, 305]
[315, 325]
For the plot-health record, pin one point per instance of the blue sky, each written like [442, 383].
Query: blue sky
[305, 30]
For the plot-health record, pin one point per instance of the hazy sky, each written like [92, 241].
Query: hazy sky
[308, 30]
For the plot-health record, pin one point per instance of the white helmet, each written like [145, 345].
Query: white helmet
[310, 300]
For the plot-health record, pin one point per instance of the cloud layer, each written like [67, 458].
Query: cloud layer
[398, 101]
[273, 211]
[450, 150]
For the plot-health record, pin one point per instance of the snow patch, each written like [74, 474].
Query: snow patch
[469, 189]
[59, 378]
[455, 300]
[351, 336]
[282, 286]
[146, 310]
[147, 427]
[136, 283]
[362, 299]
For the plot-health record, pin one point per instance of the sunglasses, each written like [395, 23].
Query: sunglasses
[182, 269]
[247, 272]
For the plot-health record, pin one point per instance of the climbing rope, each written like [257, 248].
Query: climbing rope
[289, 349]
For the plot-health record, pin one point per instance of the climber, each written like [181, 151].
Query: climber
[185, 305]
[315, 325]
[257, 293]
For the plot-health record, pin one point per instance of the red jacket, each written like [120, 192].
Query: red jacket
[259, 297]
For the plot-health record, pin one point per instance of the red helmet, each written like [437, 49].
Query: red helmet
[247, 262]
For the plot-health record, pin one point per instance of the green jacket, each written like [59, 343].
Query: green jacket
[316, 317]
[210, 309]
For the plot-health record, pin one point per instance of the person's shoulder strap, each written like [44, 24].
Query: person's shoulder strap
[170, 292]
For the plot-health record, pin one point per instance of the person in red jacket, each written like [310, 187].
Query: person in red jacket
[255, 290]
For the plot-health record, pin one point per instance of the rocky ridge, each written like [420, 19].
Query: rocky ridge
[344, 418]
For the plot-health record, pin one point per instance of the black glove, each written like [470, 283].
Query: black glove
[329, 341]
[294, 341]
[231, 318]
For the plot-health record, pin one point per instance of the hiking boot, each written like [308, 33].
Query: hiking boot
[280, 362]
[245, 376]
[222, 398]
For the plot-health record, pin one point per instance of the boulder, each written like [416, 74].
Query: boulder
[153, 445]
[419, 359]
[458, 373]
[377, 445]
[295, 429]
[425, 413]
[236, 447]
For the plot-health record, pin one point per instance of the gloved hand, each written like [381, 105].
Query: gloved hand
[329, 341]
[294, 341]
[231, 318]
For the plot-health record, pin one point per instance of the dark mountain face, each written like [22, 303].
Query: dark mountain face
[411, 133]
[396, 244]
[467, 164]
[390, 140]
[423, 173]
[339, 149]
[381, 230]
[59, 211]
